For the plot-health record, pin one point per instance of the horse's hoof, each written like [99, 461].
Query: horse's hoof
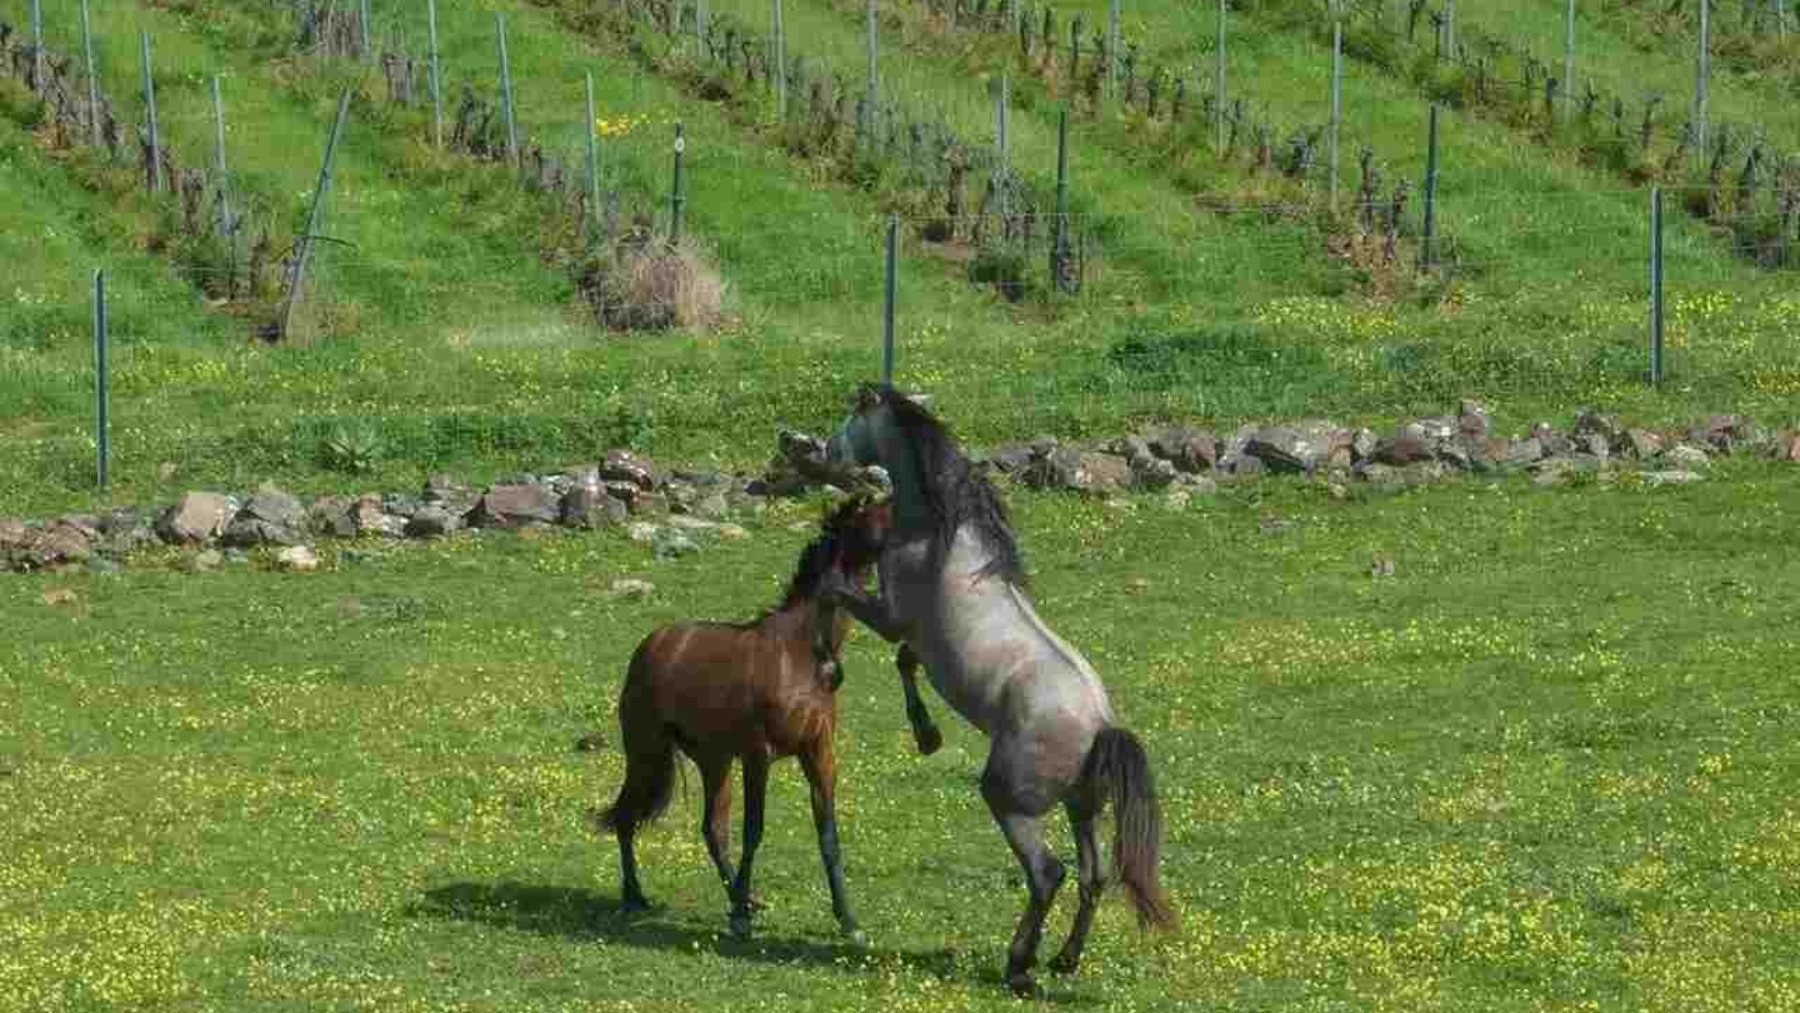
[1065, 963]
[857, 938]
[929, 740]
[1021, 985]
[634, 905]
[740, 924]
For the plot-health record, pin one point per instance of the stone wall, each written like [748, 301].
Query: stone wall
[664, 507]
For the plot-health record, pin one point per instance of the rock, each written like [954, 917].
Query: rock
[712, 506]
[1522, 453]
[1381, 566]
[1589, 422]
[330, 517]
[245, 531]
[688, 522]
[54, 545]
[649, 504]
[1385, 476]
[1472, 419]
[14, 534]
[1594, 444]
[643, 531]
[629, 587]
[1639, 444]
[431, 520]
[399, 504]
[1728, 433]
[1297, 449]
[1789, 447]
[166, 471]
[590, 506]
[1552, 443]
[1242, 466]
[625, 466]
[1189, 450]
[1673, 477]
[368, 516]
[1153, 473]
[1403, 448]
[1686, 456]
[198, 517]
[1011, 459]
[297, 558]
[515, 506]
[1082, 471]
[124, 530]
[1362, 445]
[270, 503]
[733, 533]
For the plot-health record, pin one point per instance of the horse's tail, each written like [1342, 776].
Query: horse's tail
[1118, 769]
[649, 755]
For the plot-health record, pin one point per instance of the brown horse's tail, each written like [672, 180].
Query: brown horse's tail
[1119, 770]
[649, 756]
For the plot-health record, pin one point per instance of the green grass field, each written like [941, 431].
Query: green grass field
[1544, 765]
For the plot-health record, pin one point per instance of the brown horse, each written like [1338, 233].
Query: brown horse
[753, 692]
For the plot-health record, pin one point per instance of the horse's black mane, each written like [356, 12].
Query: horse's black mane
[820, 555]
[955, 491]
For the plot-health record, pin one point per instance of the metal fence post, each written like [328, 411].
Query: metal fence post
[1337, 104]
[593, 163]
[1568, 81]
[1426, 257]
[1656, 287]
[154, 174]
[775, 29]
[314, 218]
[676, 199]
[219, 153]
[890, 288]
[93, 78]
[1219, 86]
[368, 50]
[506, 92]
[1112, 49]
[37, 45]
[873, 96]
[101, 426]
[1059, 247]
[437, 93]
[1702, 71]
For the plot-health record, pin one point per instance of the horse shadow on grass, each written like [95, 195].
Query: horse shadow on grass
[577, 914]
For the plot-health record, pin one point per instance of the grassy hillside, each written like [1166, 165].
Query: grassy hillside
[446, 314]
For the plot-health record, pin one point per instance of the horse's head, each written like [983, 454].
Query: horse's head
[857, 530]
[859, 440]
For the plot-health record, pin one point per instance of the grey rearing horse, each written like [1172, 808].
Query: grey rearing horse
[951, 593]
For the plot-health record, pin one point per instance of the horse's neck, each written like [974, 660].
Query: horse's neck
[913, 515]
[801, 617]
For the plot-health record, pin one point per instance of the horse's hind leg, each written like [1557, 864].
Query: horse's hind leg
[821, 773]
[1043, 875]
[756, 785]
[925, 732]
[1083, 817]
[715, 816]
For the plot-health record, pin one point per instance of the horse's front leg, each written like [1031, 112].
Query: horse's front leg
[875, 612]
[820, 765]
[925, 731]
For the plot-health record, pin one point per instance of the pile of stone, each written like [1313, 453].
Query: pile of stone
[668, 509]
[1419, 450]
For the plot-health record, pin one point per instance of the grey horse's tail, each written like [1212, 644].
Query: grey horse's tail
[1118, 769]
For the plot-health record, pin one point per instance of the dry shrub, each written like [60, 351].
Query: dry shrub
[644, 283]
